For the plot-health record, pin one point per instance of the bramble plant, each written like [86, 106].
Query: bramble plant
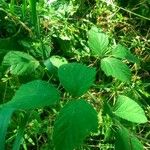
[63, 86]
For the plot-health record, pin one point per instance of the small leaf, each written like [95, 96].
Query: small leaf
[128, 109]
[57, 61]
[98, 42]
[122, 52]
[76, 78]
[126, 140]
[116, 68]
[54, 62]
[75, 121]
[33, 95]
[20, 62]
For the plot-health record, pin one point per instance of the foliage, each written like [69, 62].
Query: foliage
[68, 81]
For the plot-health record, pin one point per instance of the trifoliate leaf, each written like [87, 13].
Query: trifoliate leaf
[116, 68]
[128, 109]
[75, 121]
[98, 42]
[20, 63]
[76, 78]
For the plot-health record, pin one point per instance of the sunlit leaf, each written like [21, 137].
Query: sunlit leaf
[128, 109]
[116, 68]
[98, 42]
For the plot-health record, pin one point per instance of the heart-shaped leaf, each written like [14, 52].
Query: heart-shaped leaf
[75, 121]
[98, 42]
[116, 68]
[76, 78]
[128, 109]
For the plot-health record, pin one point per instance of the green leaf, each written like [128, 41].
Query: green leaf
[35, 94]
[5, 116]
[54, 62]
[128, 109]
[98, 42]
[76, 78]
[57, 61]
[75, 121]
[20, 62]
[116, 68]
[126, 140]
[122, 52]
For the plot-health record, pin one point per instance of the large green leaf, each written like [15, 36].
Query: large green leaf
[116, 68]
[122, 52]
[98, 41]
[20, 62]
[128, 109]
[75, 121]
[33, 95]
[76, 78]
[126, 140]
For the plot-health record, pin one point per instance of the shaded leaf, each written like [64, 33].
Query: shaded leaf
[76, 78]
[20, 62]
[5, 116]
[128, 109]
[126, 140]
[116, 68]
[98, 41]
[75, 121]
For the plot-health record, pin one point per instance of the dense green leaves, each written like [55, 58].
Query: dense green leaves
[126, 140]
[76, 78]
[116, 68]
[20, 62]
[128, 109]
[98, 41]
[33, 95]
[74, 122]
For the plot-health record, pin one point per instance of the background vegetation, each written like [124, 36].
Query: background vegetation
[75, 74]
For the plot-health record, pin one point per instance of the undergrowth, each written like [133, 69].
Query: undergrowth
[74, 75]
